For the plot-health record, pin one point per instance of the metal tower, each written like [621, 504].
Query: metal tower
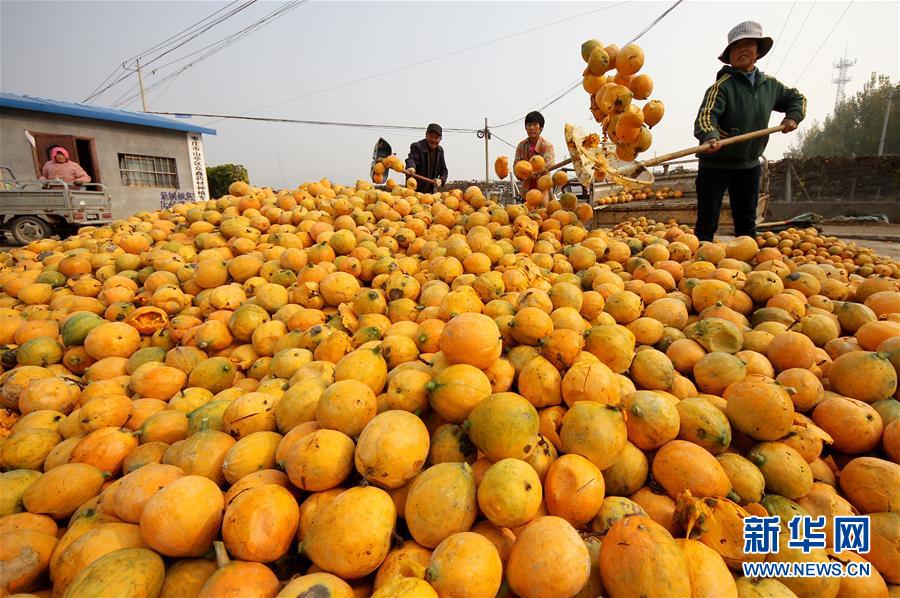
[842, 65]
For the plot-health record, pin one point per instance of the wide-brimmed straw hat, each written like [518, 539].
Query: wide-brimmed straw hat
[747, 30]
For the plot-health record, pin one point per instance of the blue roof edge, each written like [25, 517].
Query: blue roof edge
[36, 104]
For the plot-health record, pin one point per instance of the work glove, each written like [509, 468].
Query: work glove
[437, 184]
[410, 171]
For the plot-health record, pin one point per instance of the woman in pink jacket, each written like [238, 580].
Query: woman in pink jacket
[60, 167]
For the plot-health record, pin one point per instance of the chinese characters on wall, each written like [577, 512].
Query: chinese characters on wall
[167, 199]
[198, 167]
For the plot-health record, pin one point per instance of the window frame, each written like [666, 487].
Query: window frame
[142, 171]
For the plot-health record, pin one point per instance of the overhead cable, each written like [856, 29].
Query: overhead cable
[825, 39]
[183, 37]
[797, 35]
[783, 26]
[216, 47]
[313, 122]
[431, 59]
[577, 83]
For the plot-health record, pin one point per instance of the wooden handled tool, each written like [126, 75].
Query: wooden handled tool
[630, 169]
[424, 179]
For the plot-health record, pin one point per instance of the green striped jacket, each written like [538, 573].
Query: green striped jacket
[733, 106]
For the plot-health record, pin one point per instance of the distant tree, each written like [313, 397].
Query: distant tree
[219, 177]
[855, 127]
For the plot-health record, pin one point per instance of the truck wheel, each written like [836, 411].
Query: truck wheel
[26, 229]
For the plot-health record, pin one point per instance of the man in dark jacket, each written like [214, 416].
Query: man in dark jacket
[426, 157]
[740, 101]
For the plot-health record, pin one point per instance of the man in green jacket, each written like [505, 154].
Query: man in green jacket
[740, 101]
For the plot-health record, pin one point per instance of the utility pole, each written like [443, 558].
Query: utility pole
[842, 78]
[140, 76]
[887, 114]
[141, 85]
[487, 172]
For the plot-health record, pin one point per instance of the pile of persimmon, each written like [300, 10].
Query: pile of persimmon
[640, 193]
[343, 391]
[614, 86]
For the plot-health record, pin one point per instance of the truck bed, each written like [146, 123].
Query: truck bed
[53, 199]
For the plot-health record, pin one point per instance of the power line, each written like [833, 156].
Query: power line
[160, 94]
[174, 37]
[518, 119]
[825, 39]
[183, 37]
[432, 59]
[201, 32]
[125, 94]
[577, 83]
[783, 26]
[313, 122]
[791, 47]
[503, 140]
[97, 90]
[509, 120]
[217, 47]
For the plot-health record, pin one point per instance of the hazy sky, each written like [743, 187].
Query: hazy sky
[526, 54]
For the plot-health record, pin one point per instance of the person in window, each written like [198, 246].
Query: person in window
[532, 145]
[426, 157]
[60, 167]
[740, 101]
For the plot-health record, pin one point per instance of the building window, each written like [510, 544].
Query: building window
[148, 171]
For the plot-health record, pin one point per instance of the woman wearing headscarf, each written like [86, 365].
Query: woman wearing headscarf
[60, 167]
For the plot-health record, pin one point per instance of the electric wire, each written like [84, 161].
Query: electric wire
[783, 26]
[427, 60]
[315, 122]
[161, 93]
[183, 37]
[128, 71]
[825, 39]
[183, 32]
[216, 47]
[243, 116]
[202, 31]
[797, 35]
[577, 83]
[125, 94]
[503, 140]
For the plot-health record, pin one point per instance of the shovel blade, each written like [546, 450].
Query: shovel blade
[382, 150]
